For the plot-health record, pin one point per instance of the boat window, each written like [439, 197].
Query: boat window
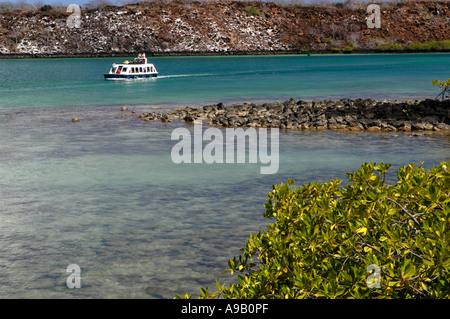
[124, 70]
[140, 69]
[132, 70]
[148, 69]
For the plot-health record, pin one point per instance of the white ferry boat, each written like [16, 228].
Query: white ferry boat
[138, 68]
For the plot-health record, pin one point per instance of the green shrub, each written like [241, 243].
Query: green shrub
[46, 8]
[415, 46]
[366, 239]
[390, 47]
[429, 46]
[442, 45]
[349, 48]
[445, 86]
[251, 11]
[445, 44]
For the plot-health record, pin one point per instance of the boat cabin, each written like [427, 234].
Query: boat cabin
[138, 68]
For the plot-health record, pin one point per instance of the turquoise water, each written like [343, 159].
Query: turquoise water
[104, 193]
[199, 80]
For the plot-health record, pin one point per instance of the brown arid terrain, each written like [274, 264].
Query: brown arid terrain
[185, 27]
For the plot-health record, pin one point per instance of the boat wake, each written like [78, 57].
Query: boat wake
[182, 76]
[225, 74]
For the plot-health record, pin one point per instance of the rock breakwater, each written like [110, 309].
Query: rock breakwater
[355, 115]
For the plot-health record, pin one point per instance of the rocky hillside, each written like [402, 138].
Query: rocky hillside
[221, 27]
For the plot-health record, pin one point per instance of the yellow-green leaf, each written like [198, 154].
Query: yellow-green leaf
[361, 230]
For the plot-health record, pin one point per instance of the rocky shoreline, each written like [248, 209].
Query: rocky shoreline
[345, 114]
[209, 53]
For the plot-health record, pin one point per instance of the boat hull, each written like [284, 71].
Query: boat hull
[113, 76]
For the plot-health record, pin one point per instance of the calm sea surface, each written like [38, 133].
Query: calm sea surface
[105, 194]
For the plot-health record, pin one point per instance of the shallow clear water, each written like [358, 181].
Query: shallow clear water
[104, 193]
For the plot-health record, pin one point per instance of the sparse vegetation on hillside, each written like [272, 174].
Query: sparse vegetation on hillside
[251, 11]
[390, 47]
[46, 8]
[193, 27]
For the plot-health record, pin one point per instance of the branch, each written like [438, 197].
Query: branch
[404, 209]
[410, 251]
[365, 244]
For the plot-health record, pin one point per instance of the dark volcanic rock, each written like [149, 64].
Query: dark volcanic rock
[356, 115]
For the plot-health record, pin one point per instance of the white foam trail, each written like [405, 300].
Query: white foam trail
[181, 76]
